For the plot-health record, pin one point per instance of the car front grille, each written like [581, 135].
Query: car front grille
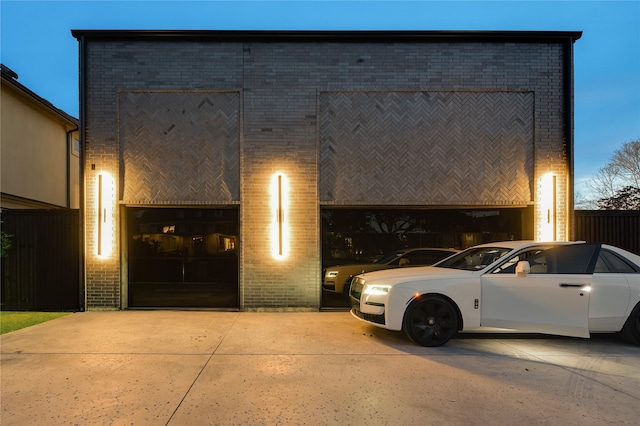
[329, 285]
[378, 319]
[356, 289]
[355, 293]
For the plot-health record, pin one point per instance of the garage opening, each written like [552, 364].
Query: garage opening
[368, 235]
[182, 258]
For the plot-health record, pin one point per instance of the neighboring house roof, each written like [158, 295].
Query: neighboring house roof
[10, 77]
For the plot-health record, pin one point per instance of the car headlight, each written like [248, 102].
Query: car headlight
[332, 274]
[376, 290]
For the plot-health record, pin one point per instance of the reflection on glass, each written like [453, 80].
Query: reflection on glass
[365, 235]
[182, 257]
[362, 234]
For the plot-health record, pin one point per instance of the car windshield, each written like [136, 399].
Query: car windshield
[389, 257]
[474, 259]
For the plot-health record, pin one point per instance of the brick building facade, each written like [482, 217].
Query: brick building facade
[197, 120]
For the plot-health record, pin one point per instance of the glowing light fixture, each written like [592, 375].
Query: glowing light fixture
[279, 205]
[104, 210]
[547, 223]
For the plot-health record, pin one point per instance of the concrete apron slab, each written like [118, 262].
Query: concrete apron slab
[228, 368]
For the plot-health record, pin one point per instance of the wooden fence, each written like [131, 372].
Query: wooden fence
[42, 270]
[619, 228]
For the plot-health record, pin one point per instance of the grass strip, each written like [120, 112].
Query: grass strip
[13, 320]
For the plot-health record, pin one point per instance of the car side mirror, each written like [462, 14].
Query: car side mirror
[404, 262]
[522, 268]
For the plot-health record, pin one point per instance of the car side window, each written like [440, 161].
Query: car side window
[429, 257]
[413, 258]
[396, 261]
[509, 267]
[612, 263]
[571, 259]
[539, 265]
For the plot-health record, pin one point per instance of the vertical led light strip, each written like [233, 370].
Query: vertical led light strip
[554, 208]
[547, 222]
[279, 226]
[100, 215]
[280, 216]
[104, 206]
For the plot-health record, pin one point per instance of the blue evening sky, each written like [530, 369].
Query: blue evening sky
[36, 43]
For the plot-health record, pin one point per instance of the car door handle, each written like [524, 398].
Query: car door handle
[571, 285]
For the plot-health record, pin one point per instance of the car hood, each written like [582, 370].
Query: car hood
[360, 266]
[406, 275]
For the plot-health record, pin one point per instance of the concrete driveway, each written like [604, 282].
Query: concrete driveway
[325, 368]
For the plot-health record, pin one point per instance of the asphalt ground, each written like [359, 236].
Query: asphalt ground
[304, 368]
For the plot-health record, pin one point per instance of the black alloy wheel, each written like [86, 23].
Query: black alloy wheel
[431, 321]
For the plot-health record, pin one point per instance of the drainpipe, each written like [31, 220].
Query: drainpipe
[82, 100]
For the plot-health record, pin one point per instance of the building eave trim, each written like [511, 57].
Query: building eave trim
[332, 35]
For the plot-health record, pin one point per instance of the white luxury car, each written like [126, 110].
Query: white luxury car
[568, 289]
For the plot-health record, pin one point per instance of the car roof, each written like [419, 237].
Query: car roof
[518, 244]
[452, 250]
[629, 255]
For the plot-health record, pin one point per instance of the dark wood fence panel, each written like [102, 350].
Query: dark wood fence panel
[42, 269]
[619, 228]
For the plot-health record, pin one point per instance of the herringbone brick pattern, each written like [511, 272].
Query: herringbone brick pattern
[180, 147]
[426, 148]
